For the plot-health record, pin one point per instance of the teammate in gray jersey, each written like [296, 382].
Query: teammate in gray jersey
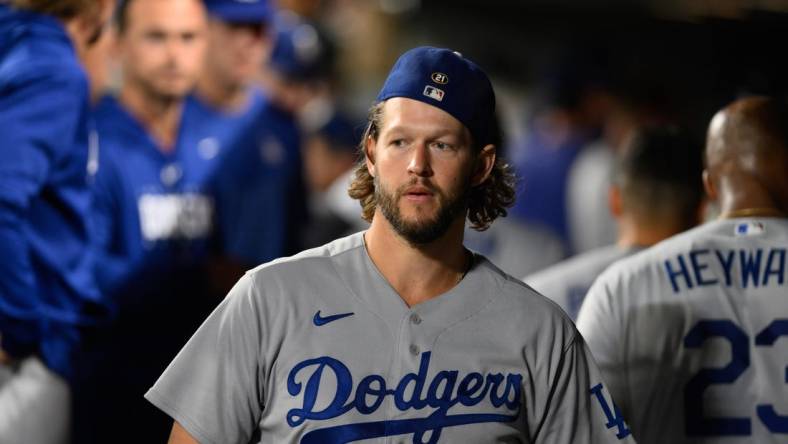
[397, 334]
[656, 192]
[692, 334]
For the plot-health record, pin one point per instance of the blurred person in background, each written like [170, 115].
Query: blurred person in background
[299, 75]
[47, 292]
[517, 246]
[565, 120]
[300, 78]
[257, 142]
[589, 221]
[153, 217]
[656, 192]
[690, 334]
[330, 155]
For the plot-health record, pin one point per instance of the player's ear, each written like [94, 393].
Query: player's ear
[614, 201]
[369, 155]
[485, 162]
[708, 184]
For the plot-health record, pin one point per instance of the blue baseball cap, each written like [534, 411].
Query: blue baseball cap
[342, 131]
[445, 79]
[302, 52]
[241, 11]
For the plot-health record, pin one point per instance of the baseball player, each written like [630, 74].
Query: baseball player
[398, 333]
[257, 143]
[300, 78]
[690, 334]
[47, 293]
[151, 207]
[154, 213]
[656, 192]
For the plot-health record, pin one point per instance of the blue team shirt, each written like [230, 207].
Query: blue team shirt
[258, 184]
[155, 229]
[154, 210]
[46, 286]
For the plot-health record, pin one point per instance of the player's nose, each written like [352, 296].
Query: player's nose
[419, 162]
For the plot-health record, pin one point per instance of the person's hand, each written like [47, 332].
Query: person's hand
[5, 359]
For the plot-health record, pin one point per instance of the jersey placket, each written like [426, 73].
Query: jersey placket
[412, 341]
[418, 341]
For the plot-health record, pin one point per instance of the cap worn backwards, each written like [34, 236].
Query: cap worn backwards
[445, 79]
[241, 11]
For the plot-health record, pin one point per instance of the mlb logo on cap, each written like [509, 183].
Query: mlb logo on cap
[433, 92]
[445, 79]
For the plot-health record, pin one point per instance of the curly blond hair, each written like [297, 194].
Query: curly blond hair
[486, 202]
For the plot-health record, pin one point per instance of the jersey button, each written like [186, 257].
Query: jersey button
[415, 319]
[414, 349]
[170, 174]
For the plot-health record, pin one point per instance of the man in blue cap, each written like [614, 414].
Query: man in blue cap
[237, 45]
[397, 332]
[258, 143]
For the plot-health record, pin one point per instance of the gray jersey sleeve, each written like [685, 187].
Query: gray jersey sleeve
[213, 387]
[600, 323]
[581, 409]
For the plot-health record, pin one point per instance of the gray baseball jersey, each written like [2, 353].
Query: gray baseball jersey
[319, 348]
[567, 282]
[516, 247]
[591, 224]
[692, 335]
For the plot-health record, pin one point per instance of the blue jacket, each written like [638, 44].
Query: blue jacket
[47, 290]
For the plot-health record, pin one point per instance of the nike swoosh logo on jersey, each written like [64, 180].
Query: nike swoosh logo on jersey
[320, 320]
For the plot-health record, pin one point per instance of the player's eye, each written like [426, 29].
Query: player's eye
[155, 36]
[442, 146]
[188, 37]
[398, 143]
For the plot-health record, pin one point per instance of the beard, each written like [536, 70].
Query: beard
[423, 230]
